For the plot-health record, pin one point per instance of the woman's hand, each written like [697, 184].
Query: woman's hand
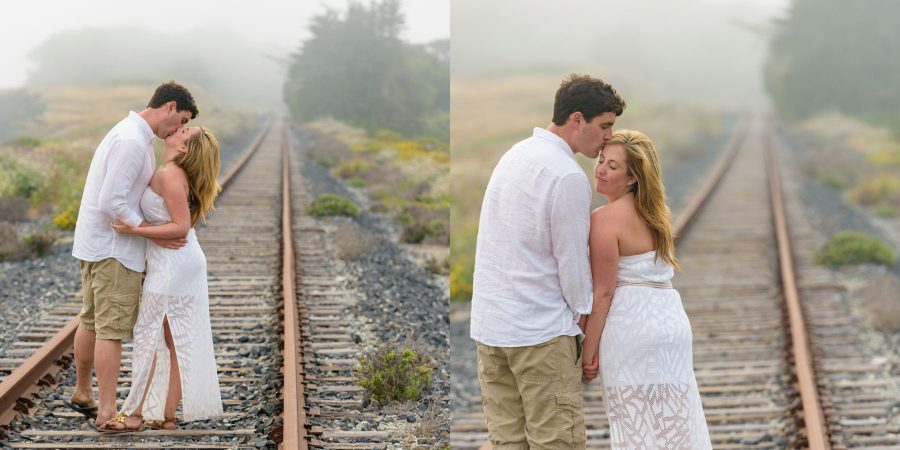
[590, 361]
[123, 226]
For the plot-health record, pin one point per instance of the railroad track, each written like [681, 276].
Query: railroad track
[765, 383]
[256, 353]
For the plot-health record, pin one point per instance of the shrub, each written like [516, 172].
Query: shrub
[351, 241]
[460, 282]
[832, 180]
[40, 243]
[13, 209]
[332, 205]
[352, 167]
[27, 142]
[17, 179]
[853, 247]
[884, 210]
[11, 247]
[66, 219]
[436, 266]
[875, 190]
[391, 373]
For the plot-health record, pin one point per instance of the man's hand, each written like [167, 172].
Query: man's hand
[171, 244]
[590, 366]
[123, 226]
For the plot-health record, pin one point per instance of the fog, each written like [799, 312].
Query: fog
[695, 50]
[234, 49]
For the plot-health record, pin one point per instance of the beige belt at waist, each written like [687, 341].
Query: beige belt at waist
[646, 283]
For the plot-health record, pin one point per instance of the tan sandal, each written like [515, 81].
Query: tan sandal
[111, 425]
[161, 424]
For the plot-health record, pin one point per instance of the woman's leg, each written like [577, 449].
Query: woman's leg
[174, 395]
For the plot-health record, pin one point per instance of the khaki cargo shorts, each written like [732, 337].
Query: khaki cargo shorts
[533, 395]
[112, 295]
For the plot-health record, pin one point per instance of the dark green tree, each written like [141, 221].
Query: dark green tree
[356, 68]
[833, 55]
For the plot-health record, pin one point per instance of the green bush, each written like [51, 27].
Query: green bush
[884, 210]
[393, 374]
[832, 180]
[854, 247]
[877, 189]
[27, 142]
[41, 242]
[332, 205]
[17, 179]
[352, 167]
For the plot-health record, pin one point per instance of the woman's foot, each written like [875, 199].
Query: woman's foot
[122, 423]
[171, 423]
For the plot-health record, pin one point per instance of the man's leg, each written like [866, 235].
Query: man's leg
[84, 342]
[549, 379]
[84, 366]
[108, 355]
[502, 403]
[117, 292]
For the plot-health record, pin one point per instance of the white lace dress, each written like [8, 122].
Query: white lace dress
[176, 287]
[646, 363]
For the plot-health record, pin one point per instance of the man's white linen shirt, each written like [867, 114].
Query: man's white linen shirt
[532, 275]
[120, 171]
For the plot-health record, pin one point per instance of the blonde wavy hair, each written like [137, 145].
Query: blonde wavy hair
[649, 192]
[201, 164]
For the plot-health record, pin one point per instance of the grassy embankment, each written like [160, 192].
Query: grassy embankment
[491, 114]
[43, 169]
[405, 178]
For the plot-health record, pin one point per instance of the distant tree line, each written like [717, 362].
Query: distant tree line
[832, 55]
[356, 68]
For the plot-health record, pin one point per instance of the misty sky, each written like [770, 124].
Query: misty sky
[705, 50]
[280, 25]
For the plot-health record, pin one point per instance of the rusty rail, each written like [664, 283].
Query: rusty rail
[813, 417]
[294, 415]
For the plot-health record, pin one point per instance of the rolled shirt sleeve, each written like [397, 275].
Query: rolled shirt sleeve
[127, 158]
[569, 228]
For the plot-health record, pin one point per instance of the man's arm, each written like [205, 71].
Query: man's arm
[124, 164]
[569, 226]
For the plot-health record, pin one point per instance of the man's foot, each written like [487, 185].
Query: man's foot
[122, 423]
[87, 409]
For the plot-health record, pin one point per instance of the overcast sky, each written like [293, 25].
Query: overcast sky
[278, 24]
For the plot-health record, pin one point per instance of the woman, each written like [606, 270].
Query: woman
[637, 327]
[173, 352]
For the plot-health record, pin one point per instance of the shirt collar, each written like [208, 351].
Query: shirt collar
[547, 135]
[142, 124]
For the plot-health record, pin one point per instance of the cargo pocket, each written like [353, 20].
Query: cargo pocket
[570, 418]
[544, 361]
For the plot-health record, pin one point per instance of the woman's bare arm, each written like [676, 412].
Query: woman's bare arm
[173, 184]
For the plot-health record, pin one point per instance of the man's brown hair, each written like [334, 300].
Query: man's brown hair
[591, 96]
[170, 91]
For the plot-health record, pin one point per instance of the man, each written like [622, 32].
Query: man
[111, 264]
[532, 278]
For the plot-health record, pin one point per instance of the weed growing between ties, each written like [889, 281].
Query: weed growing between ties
[854, 247]
[394, 373]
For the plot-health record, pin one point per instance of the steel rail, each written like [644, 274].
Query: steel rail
[22, 380]
[813, 416]
[294, 415]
